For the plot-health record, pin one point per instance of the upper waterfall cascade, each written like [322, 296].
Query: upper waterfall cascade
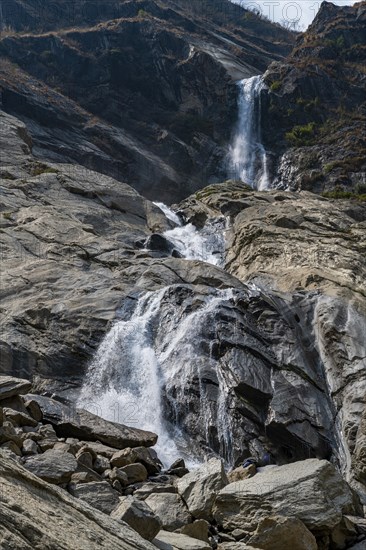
[248, 159]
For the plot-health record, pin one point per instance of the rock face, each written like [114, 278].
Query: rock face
[309, 252]
[164, 129]
[313, 121]
[311, 491]
[34, 514]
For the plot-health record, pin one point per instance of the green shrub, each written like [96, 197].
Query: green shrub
[143, 14]
[40, 168]
[301, 135]
[276, 85]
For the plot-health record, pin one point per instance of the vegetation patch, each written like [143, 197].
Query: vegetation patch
[302, 135]
[39, 168]
[276, 85]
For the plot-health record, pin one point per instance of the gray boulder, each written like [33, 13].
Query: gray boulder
[310, 490]
[30, 447]
[98, 494]
[138, 516]
[135, 472]
[166, 540]
[277, 533]
[139, 454]
[69, 421]
[148, 488]
[52, 466]
[10, 386]
[171, 510]
[199, 488]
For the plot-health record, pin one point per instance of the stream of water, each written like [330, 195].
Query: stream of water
[248, 159]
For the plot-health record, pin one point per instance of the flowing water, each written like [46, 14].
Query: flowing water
[206, 244]
[147, 365]
[248, 158]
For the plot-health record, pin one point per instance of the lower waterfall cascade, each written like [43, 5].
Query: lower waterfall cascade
[138, 360]
[248, 160]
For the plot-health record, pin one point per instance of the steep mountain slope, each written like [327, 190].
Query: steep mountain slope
[142, 91]
[315, 110]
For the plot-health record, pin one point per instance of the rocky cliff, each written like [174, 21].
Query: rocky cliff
[232, 325]
[314, 110]
[141, 91]
[283, 346]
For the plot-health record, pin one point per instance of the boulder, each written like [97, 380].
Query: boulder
[30, 447]
[19, 418]
[35, 514]
[12, 447]
[138, 454]
[200, 487]
[33, 409]
[138, 516]
[85, 458]
[101, 464]
[197, 530]
[235, 546]
[166, 540]
[69, 421]
[10, 386]
[98, 494]
[171, 510]
[98, 448]
[85, 475]
[117, 475]
[135, 472]
[52, 466]
[277, 533]
[310, 490]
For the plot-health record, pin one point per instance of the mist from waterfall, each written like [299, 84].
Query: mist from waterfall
[248, 159]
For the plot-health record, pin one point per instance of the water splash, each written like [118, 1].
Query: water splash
[247, 156]
[206, 244]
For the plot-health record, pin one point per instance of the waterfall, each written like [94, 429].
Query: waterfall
[247, 157]
[140, 361]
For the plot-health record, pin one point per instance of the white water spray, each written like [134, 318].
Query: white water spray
[206, 244]
[248, 157]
